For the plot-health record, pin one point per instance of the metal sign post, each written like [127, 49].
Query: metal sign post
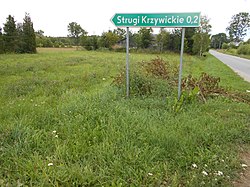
[127, 63]
[181, 59]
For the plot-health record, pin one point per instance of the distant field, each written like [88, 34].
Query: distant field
[62, 123]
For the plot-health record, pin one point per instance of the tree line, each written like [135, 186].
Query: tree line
[197, 40]
[21, 37]
[18, 37]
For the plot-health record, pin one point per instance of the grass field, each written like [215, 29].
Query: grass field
[234, 52]
[62, 123]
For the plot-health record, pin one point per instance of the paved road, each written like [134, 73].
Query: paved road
[239, 65]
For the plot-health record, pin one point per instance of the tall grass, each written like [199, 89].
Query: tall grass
[63, 124]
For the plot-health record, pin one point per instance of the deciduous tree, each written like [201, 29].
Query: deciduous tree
[162, 39]
[238, 27]
[218, 40]
[109, 39]
[201, 43]
[145, 37]
[76, 31]
[121, 33]
[202, 37]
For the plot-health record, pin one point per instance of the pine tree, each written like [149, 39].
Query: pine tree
[28, 36]
[10, 37]
[20, 43]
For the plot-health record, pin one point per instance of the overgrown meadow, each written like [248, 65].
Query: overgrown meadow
[65, 122]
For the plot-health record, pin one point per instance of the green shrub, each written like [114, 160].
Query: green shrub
[244, 49]
[232, 46]
[225, 46]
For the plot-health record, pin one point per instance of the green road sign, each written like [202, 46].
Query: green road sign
[157, 20]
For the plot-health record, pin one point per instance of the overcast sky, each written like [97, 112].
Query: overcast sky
[53, 16]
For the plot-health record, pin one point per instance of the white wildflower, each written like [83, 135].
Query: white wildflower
[248, 91]
[219, 173]
[205, 165]
[56, 136]
[243, 165]
[194, 166]
[204, 173]
[222, 160]
[150, 174]
[103, 79]
[50, 164]
[53, 132]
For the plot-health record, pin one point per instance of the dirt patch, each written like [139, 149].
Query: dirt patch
[244, 180]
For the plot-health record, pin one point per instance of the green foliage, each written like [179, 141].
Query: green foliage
[202, 37]
[56, 44]
[225, 46]
[175, 41]
[90, 42]
[75, 31]
[20, 41]
[162, 40]
[10, 37]
[109, 39]
[238, 27]
[28, 38]
[47, 42]
[19, 38]
[120, 32]
[244, 49]
[44, 41]
[187, 97]
[201, 43]
[145, 38]
[189, 41]
[205, 26]
[218, 40]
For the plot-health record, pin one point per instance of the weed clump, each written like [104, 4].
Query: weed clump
[207, 86]
[156, 77]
